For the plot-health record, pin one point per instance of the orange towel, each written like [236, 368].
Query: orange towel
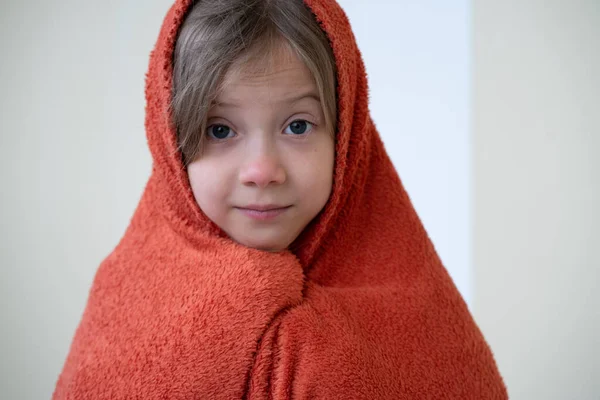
[364, 310]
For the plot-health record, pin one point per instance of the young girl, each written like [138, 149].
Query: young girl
[274, 253]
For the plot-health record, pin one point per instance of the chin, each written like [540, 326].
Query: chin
[271, 245]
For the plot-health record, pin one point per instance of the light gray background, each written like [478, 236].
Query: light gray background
[501, 165]
[537, 193]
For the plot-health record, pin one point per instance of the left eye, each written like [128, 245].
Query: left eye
[299, 127]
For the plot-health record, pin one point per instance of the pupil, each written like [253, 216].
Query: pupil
[220, 131]
[298, 127]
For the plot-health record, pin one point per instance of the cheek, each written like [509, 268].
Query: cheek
[315, 172]
[209, 185]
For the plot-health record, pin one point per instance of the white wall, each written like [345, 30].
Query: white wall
[73, 163]
[73, 155]
[537, 193]
[418, 60]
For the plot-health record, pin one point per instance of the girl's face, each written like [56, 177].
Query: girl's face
[267, 166]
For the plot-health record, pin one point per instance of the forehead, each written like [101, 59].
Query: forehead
[279, 72]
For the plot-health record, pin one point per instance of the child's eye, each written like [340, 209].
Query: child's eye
[220, 132]
[299, 127]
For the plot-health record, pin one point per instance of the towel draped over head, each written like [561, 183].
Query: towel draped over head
[362, 308]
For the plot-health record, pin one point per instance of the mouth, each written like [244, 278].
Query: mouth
[263, 212]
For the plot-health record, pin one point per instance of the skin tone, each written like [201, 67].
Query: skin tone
[267, 166]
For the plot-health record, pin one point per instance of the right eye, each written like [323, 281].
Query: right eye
[220, 132]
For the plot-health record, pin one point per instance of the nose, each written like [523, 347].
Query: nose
[262, 168]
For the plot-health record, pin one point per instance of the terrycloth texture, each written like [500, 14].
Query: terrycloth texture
[363, 310]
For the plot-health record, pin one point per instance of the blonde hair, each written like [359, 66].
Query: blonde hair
[218, 35]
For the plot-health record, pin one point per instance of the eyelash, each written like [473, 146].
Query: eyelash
[311, 124]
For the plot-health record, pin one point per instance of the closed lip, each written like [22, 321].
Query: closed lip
[263, 207]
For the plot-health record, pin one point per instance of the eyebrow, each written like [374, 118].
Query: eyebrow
[291, 100]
